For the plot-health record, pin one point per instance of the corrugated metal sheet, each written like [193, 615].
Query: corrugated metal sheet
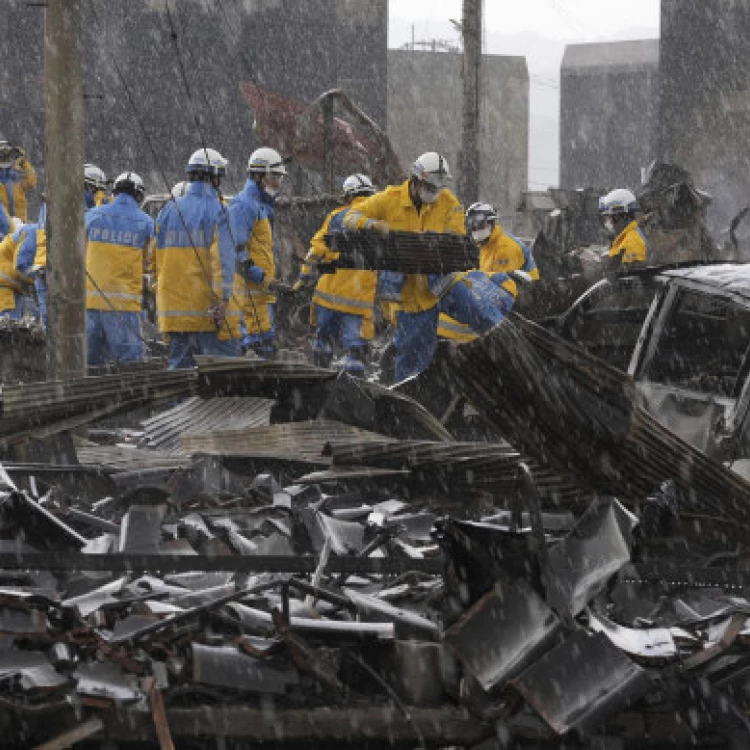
[296, 441]
[462, 466]
[199, 415]
[577, 414]
[128, 459]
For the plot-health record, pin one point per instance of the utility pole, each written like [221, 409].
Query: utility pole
[471, 31]
[63, 166]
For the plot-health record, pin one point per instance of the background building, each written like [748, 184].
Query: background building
[609, 100]
[180, 93]
[704, 122]
[424, 114]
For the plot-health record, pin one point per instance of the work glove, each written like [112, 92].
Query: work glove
[520, 277]
[304, 282]
[381, 227]
[278, 287]
[218, 314]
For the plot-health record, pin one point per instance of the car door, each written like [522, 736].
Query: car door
[607, 321]
[695, 364]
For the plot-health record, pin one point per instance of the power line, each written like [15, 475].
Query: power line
[131, 102]
[173, 36]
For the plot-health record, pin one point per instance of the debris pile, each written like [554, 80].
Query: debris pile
[261, 552]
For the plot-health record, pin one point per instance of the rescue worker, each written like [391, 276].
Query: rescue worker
[14, 287]
[187, 269]
[248, 237]
[36, 245]
[31, 264]
[17, 177]
[118, 238]
[94, 186]
[421, 204]
[6, 226]
[343, 302]
[629, 244]
[503, 260]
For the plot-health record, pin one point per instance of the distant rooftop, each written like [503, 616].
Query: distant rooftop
[643, 53]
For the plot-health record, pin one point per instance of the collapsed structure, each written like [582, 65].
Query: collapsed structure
[268, 552]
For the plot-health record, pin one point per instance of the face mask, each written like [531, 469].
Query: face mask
[609, 225]
[428, 194]
[273, 192]
[482, 235]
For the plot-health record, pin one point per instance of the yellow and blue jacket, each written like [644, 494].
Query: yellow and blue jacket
[185, 261]
[247, 237]
[348, 291]
[12, 281]
[5, 226]
[31, 255]
[631, 245]
[119, 235]
[15, 182]
[413, 292]
[499, 255]
[503, 253]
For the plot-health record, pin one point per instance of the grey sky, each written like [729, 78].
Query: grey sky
[539, 30]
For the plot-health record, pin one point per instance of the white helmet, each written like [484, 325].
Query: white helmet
[620, 201]
[129, 182]
[480, 214]
[94, 178]
[207, 161]
[266, 161]
[179, 189]
[357, 184]
[433, 169]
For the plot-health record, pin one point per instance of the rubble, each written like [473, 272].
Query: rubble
[210, 567]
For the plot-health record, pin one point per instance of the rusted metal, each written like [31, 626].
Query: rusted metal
[70, 737]
[159, 714]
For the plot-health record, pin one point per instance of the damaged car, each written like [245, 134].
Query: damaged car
[683, 334]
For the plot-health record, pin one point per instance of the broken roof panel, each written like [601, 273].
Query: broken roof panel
[296, 441]
[504, 632]
[164, 431]
[582, 682]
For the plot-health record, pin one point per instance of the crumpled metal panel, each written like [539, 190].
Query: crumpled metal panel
[503, 633]
[344, 537]
[379, 610]
[19, 512]
[107, 680]
[655, 644]
[583, 562]
[230, 668]
[30, 670]
[582, 682]
[140, 530]
[164, 431]
[21, 622]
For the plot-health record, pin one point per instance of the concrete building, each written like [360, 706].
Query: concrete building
[424, 114]
[154, 121]
[704, 122]
[609, 96]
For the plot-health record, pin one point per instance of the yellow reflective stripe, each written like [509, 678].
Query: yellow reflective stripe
[351, 219]
[456, 327]
[114, 295]
[336, 300]
[181, 313]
